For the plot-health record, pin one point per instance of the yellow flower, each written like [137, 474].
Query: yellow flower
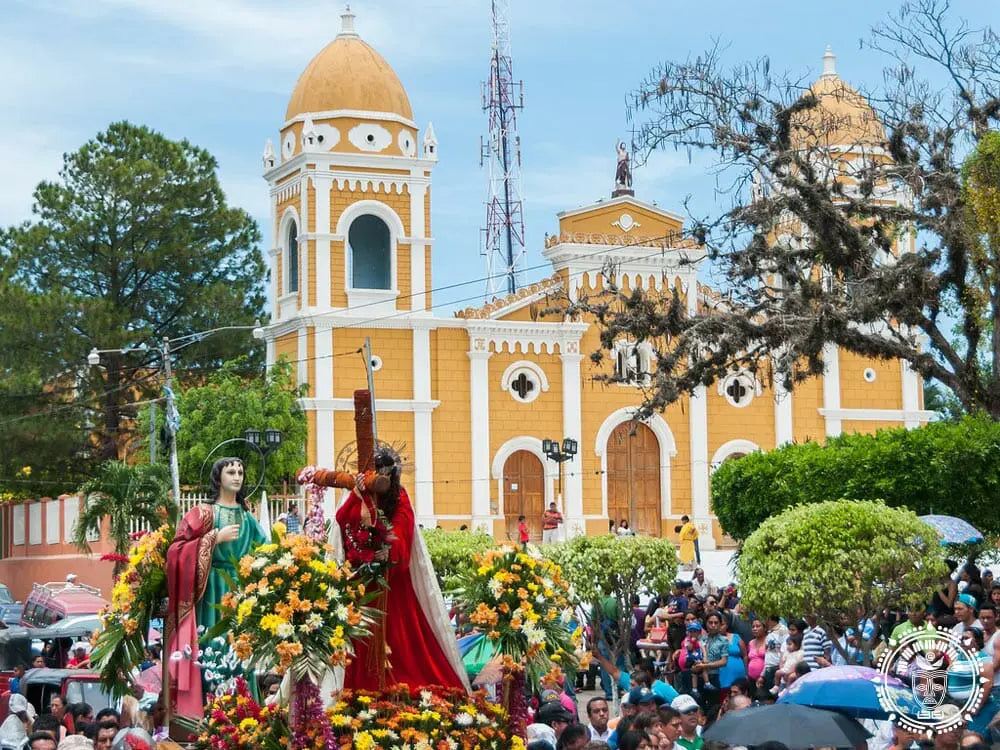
[26, 471]
[363, 741]
[279, 528]
[271, 623]
[244, 610]
[247, 724]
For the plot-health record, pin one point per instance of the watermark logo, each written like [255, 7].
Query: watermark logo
[943, 675]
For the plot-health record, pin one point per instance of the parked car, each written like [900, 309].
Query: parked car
[19, 645]
[49, 603]
[10, 610]
[75, 685]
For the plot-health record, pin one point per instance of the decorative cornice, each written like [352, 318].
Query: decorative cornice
[357, 114]
[526, 337]
[504, 305]
[879, 415]
[381, 404]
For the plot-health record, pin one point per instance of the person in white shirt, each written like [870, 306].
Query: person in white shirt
[598, 715]
[988, 617]
[965, 613]
[703, 588]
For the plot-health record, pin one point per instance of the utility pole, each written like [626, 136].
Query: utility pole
[172, 420]
[152, 433]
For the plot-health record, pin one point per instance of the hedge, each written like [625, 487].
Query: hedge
[950, 468]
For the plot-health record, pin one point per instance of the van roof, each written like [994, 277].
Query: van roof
[75, 598]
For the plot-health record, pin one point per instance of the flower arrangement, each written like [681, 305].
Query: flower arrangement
[429, 718]
[222, 668]
[291, 609]
[136, 598]
[521, 602]
[235, 721]
[363, 542]
[315, 525]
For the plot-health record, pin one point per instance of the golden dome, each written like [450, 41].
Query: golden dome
[843, 117]
[348, 74]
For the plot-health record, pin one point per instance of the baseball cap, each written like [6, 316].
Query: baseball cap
[553, 711]
[693, 627]
[648, 696]
[684, 704]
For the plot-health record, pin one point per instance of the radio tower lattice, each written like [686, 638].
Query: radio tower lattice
[503, 235]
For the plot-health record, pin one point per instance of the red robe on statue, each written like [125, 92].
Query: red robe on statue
[415, 656]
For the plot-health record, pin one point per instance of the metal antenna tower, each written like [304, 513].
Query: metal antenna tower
[503, 235]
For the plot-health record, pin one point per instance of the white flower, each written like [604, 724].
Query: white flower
[463, 720]
[565, 616]
[540, 599]
[535, 637]
[425, 698]
[547, 583]
[495, 587]
[285, 630]
[258, 563]
[314, 621]
[366, 715]
[263, 589]
[286, 560]
[341, 612]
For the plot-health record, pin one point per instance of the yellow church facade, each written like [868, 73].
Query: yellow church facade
[469, 398]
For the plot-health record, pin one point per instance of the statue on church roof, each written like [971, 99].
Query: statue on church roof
[623, 175]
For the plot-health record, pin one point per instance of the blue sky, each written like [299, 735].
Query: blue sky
[219, 73]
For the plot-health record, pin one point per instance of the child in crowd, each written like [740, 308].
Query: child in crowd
[788, 663]
[691, 653]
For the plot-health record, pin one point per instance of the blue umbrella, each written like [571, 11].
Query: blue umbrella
[953, 530]
[851, 690]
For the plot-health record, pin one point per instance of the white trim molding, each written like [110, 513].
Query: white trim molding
[534, 446]
[665, 439]
[377, 301]
[726, 450]
[479, 403]
[525, 337]
[356, 114]
[831, 390]
[381, 404]
[907, 417]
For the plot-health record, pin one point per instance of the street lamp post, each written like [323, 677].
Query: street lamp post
[559, 454]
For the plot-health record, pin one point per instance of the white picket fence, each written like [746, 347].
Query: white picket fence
[275, 505]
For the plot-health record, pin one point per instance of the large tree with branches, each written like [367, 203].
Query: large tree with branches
[861, 219]
[135, 241]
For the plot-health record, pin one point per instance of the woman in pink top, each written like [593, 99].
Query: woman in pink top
[756, 651]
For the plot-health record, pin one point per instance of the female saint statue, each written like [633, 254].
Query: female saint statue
[210, 537]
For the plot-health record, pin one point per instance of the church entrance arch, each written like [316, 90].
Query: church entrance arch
[633, 479]
[524, 492]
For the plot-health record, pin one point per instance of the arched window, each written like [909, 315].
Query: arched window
[292, 283]
[371, 253]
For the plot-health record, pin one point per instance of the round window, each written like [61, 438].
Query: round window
[376, 363]
[523, 385]
[870, 375]
[738, 390]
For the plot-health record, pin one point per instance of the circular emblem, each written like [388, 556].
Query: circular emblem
[944, 677]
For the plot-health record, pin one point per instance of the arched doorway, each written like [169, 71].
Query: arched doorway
[633, 455]
[524, 492]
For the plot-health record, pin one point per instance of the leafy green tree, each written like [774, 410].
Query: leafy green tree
[230, 401]
[134, 242]
[609, 572]
[944, 467]
[127, 496]
[846, 218]
[843, 561]
[452, 552]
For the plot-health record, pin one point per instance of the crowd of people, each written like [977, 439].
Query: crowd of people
[698, 655]
[75, 726]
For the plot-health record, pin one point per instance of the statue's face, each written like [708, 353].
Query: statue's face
[232, 477]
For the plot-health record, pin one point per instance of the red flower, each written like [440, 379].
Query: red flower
[112, 557]
[363, 536]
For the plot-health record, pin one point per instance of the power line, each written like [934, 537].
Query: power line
[192, 338]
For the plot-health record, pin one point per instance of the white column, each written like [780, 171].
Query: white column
[423, 433]
[304, 246]
[911, 395]
[302, 366]
[698, 421]
[783, 431]
[572, 428]
[322, 186]
[479, 374]
[418, 249]
[831, 387]
[323, 389]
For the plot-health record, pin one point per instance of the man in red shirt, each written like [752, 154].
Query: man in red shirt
[551, 519]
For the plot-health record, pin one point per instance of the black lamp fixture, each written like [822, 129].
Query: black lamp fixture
[264, 441]
[554, 452]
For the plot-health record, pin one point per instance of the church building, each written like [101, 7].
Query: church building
[469, 398]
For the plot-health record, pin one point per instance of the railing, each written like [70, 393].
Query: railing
[276, 505]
